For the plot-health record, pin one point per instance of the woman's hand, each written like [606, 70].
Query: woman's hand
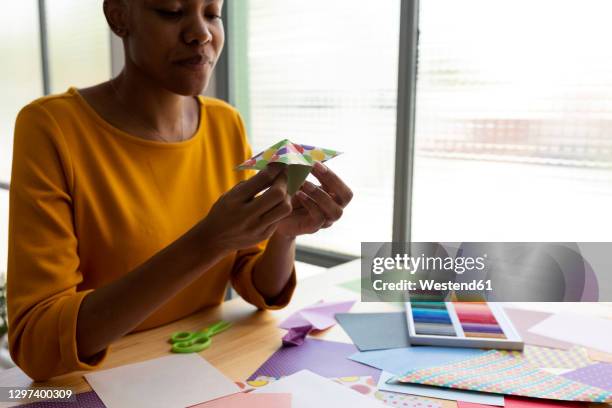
[316, 207]
[240, 218]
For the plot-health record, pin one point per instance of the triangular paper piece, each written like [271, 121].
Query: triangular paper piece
[299, 157]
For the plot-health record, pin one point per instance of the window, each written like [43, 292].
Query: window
[324, 76]
[513, 121]
[79, 44]
[20, 71]
[78, 54]
[513, 117]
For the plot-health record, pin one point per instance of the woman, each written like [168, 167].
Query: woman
[125, 210]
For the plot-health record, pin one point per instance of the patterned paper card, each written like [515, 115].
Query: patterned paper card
[544, 357]
[288, 152]
[502, 373]
[299, 157]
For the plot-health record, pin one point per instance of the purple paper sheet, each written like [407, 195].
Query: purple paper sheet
[598, 375]
[83, 400]
[326, 358]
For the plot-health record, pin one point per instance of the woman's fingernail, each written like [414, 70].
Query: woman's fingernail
[309, 187]
[321, 167]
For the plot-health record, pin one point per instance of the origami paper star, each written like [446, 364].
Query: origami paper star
[299, 157]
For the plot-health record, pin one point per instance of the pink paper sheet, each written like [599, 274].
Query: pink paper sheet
[517, 402]
[249, 400]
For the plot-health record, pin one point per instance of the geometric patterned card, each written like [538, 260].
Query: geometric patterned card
[544, 357]
[288, 152]
[501, 373]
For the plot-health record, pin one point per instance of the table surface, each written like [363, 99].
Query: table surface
[253, 337]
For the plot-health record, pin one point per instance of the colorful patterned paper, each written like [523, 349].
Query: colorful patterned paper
[299, 157]
[367, 386]
[288, 152]
[544, 357]
[502, 373]
[396, 399]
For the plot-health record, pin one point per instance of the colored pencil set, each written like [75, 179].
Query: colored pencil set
[462, 324]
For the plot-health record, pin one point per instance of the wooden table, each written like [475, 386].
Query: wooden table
[237, 352]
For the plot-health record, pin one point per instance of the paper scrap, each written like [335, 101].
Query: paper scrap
[439, 392]
[501, 373]
[598, 375]
[326, 358]
[311, 390]
[375, 331]
[177, 380]
[319, 316]
[401, 360]
[523, 320]
[250, 400]
[296, 335]
[588, 331]
[352, 285]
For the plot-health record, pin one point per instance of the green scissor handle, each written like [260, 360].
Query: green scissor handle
[190, 342]
[192, 346]
[218, 328]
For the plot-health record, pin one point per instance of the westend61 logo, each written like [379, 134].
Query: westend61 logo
[494, 271]
[459, 264]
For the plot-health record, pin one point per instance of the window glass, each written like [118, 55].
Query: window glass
[79, 44]
[20, 71]
[325, 76]
[513, 121]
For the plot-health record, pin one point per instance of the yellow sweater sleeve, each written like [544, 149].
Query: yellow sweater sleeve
[246, 259]
[43, 262]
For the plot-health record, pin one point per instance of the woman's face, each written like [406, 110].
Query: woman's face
[176, 43]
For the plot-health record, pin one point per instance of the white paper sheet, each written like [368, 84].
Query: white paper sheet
[439, 392]
[588, 331]
[178, 380]
[311, 390]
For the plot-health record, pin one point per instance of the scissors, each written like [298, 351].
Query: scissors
[194, 342]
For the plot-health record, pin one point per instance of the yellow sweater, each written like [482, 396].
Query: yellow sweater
[89, 203]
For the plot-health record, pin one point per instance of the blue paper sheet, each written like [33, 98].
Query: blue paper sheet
[400, 360]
